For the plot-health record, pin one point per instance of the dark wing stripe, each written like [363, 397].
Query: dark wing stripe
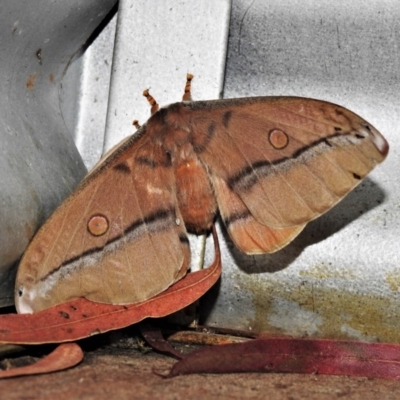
[199, 147]
[161, 220]
[246, 178]
[123, 167]
[236, 217]
[226, 118]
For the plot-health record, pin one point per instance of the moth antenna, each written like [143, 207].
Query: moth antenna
[136, 124]
[151, 100]
[187, 96]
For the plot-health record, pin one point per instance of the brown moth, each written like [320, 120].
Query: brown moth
[269, 165]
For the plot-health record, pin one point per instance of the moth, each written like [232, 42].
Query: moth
[267, 165]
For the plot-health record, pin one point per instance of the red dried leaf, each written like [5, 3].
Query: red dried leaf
[154, 338]
[329, 357]
[64, 356]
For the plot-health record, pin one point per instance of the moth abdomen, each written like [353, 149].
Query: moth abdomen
[196, 199]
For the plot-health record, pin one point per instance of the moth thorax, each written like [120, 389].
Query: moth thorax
[196, 199]
[177, 116]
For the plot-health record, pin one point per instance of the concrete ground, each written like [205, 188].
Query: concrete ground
[115, 368]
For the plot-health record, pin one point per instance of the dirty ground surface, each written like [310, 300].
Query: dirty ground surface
[115, 368]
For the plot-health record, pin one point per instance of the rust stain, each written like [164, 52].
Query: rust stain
[341, 311]
[31, 81]
[51, 78]
[393, 280]
[326, 271]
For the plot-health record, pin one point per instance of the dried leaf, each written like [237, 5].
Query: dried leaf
[66, 355]
[328, 357]
[154, 338]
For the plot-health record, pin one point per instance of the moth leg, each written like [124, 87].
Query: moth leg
[151, 100]
[187, 96]
[136, 124]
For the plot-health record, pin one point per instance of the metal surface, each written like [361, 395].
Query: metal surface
[39, 162]
[86, 88]
[341, 277]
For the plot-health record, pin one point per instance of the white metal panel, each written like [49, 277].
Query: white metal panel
[341, 276]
